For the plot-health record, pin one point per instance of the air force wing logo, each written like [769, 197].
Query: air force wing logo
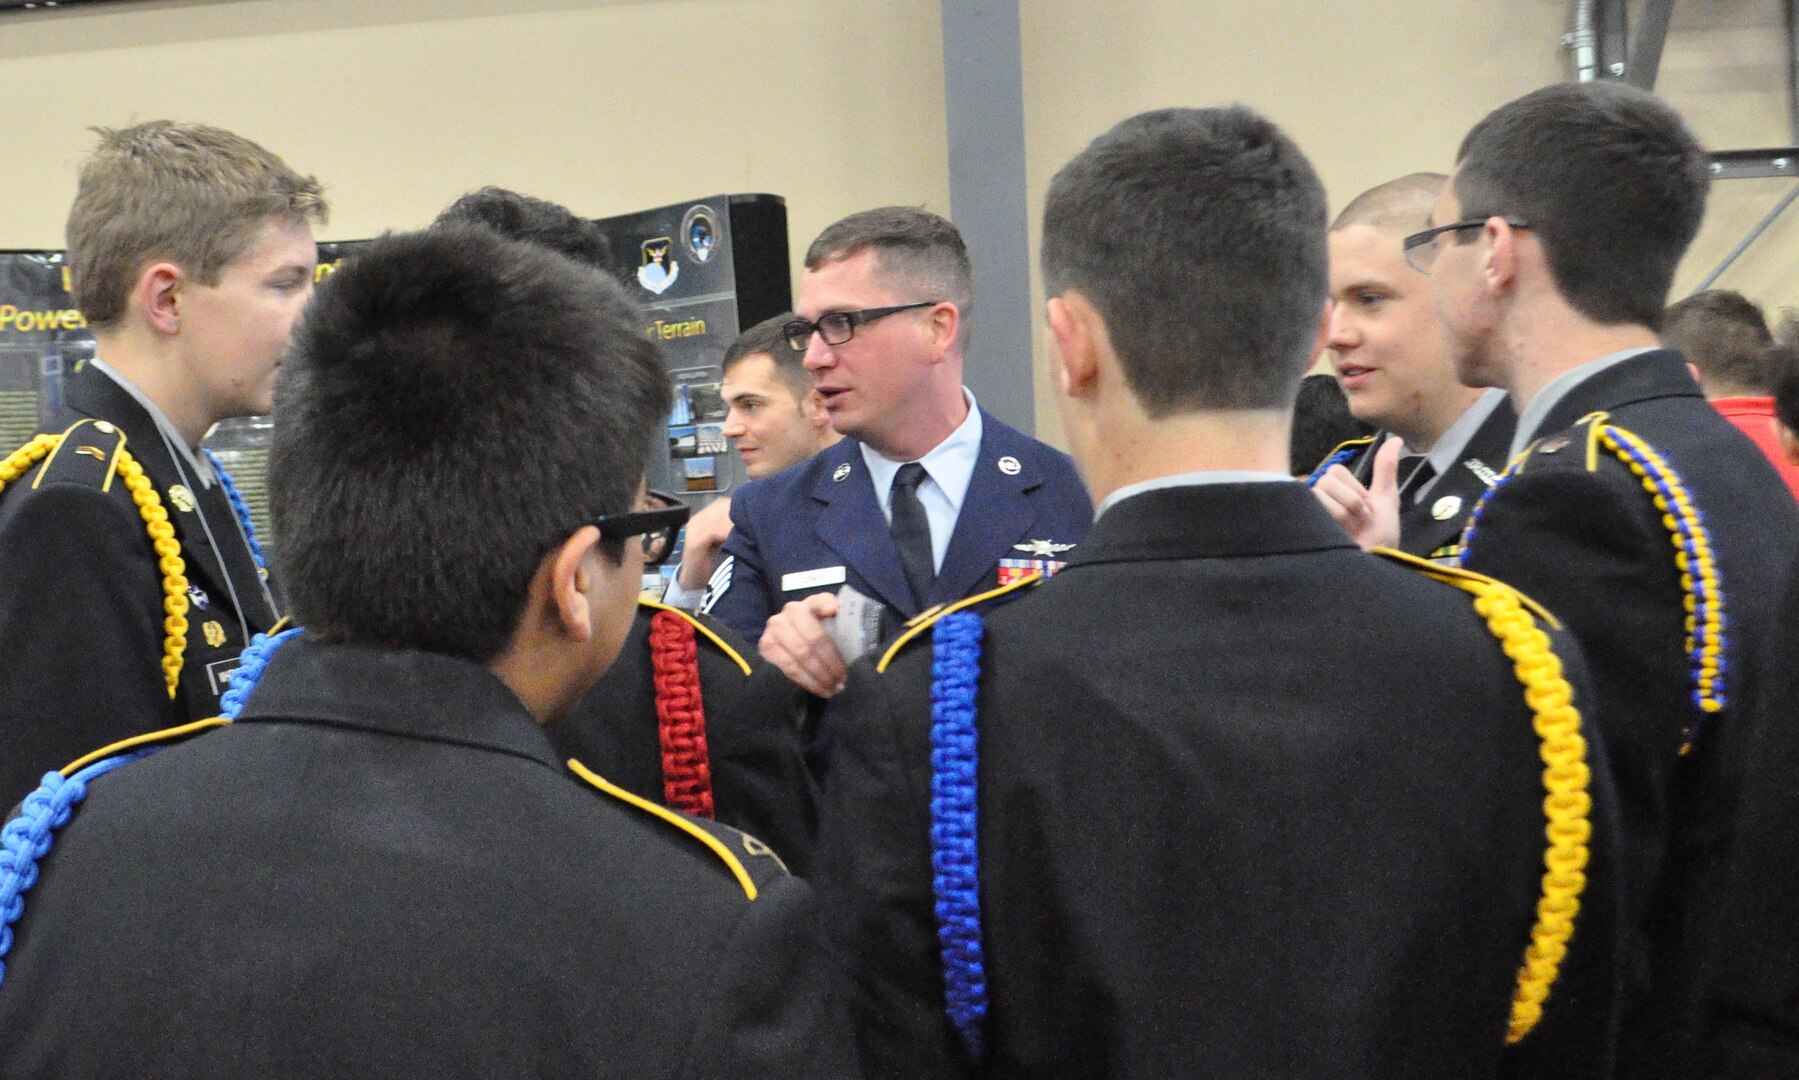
[719, 582]
[659, 268]
[1042, 549]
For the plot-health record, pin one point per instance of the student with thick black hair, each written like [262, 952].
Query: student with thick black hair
[382, 867]
[688, 716]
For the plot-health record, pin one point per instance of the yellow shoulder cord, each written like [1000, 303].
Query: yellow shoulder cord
[1567, 804]
[162, 538]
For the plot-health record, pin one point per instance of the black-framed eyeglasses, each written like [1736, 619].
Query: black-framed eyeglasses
[837, 327]
[1421, 247]
[658, 526]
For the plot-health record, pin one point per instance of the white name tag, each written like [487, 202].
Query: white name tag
[812, 579]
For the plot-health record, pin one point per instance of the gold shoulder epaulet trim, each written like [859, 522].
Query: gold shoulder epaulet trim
[712, 842]
[112, 456]
[1364, 440]
[146, 739]
[924, 619]
[1455, 574]
[1567, 801]
[701, 629]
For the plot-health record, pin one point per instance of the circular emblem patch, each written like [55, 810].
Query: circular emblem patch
[1010, 466]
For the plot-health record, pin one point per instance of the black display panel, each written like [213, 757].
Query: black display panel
[702, 270]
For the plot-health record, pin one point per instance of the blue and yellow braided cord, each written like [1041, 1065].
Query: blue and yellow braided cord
[955, 862]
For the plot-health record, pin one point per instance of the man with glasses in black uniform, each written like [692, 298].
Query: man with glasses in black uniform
[1635, 512]
[929, 499]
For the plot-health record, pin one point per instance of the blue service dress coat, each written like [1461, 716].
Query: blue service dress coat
[792, 532]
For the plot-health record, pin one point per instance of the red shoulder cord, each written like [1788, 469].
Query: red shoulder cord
[680, 715]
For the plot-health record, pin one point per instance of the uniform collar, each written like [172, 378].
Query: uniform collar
[1212, 521]
[950, 463]
[1190, 479]
[402, 692]
[1537, 410]
[197, 463]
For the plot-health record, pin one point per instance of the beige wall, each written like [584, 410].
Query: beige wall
[400, 105]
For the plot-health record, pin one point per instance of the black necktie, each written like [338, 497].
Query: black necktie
[912, 531]
[1420, 475]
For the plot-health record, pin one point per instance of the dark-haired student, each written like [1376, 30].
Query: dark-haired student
[382, 867]
[1650, 526]
[688, 716]
[1167, 814]
[774, 418]
[192, 255]
[1725, 336]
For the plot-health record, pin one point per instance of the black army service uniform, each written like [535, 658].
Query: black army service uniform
[1217, 835]
[747, 729]
[1430, 526]
[1753, 1019]
[1576, 529]
[382, 869]
[82, 599]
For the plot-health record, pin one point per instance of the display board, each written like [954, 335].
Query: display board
[702, 270]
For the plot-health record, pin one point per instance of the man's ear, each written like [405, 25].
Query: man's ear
[1504, 254]
[1079, 335]
[1789, 441]
[158, 295]
[945, 322]
[812, 407]
[570, 574]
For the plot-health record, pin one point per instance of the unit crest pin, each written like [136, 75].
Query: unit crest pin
[1010, 466]
[842, 473]
[1446, 507]
[182, 498]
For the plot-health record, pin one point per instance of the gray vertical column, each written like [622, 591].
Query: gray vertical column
[983, 90]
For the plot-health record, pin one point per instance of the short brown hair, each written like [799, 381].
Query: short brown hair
[920, 252]
[1725, 335]
[769, 338]
[194, 195]
[1397, 204]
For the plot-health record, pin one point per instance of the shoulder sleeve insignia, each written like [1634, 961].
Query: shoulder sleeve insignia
[705, 833]
[718, 584]
[925, 619]
[702, 630]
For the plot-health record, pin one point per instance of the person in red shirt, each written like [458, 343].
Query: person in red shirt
[1726, 340]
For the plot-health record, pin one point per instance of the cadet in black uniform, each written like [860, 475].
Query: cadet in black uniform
[1394, 365]
[1639, 515]
[191, 286]
[709, 728]
[1190, 823]
[382, 868]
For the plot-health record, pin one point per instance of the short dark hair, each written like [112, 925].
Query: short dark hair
[1199, 234]
[1321, 423]
[522, 217]
[453, 406]
[769, 338]
[1784, 362]
[1726, 336]
[922, 252]
[1610, 180]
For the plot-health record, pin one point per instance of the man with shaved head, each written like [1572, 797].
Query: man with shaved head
[1448, 440]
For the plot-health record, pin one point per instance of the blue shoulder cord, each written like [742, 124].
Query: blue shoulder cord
[1341, 457]
[26, 839]
[240, 508]
[955, 862]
